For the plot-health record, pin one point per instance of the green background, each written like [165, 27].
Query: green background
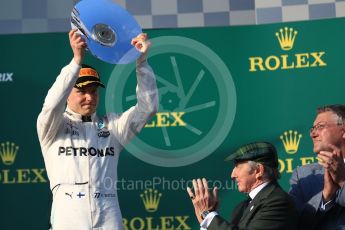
[267, 104]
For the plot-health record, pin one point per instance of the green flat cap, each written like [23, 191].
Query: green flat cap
[261, 152]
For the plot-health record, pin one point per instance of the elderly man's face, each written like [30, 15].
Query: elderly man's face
[245, 176]
[326, 130]
[83, 101]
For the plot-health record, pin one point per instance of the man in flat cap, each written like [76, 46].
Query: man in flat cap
[256, 172]
[81, 149]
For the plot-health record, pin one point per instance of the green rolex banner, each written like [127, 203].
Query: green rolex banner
[219, 88]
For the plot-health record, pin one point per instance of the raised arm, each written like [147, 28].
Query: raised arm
[51, 114]
[134, 119]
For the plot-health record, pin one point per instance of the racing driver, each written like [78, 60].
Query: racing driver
[81, 149]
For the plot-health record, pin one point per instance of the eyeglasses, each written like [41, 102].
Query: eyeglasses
[321, 126]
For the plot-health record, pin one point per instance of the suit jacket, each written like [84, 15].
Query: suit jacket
[306, 190]
[271, 208]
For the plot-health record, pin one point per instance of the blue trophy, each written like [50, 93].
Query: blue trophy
[107, 29]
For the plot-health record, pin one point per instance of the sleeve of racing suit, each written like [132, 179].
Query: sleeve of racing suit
[51, 116]
[135, 118]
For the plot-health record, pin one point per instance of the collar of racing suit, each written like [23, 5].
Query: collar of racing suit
[78, 117]
[86, 118]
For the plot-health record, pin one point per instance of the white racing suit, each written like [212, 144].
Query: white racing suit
[81, 157]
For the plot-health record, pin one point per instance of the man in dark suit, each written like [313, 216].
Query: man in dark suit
[256, 173]
[318, 189]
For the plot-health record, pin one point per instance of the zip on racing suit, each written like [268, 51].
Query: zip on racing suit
[80, 157]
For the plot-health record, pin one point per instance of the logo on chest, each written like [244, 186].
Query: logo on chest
[103, 127]
[71, 129]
